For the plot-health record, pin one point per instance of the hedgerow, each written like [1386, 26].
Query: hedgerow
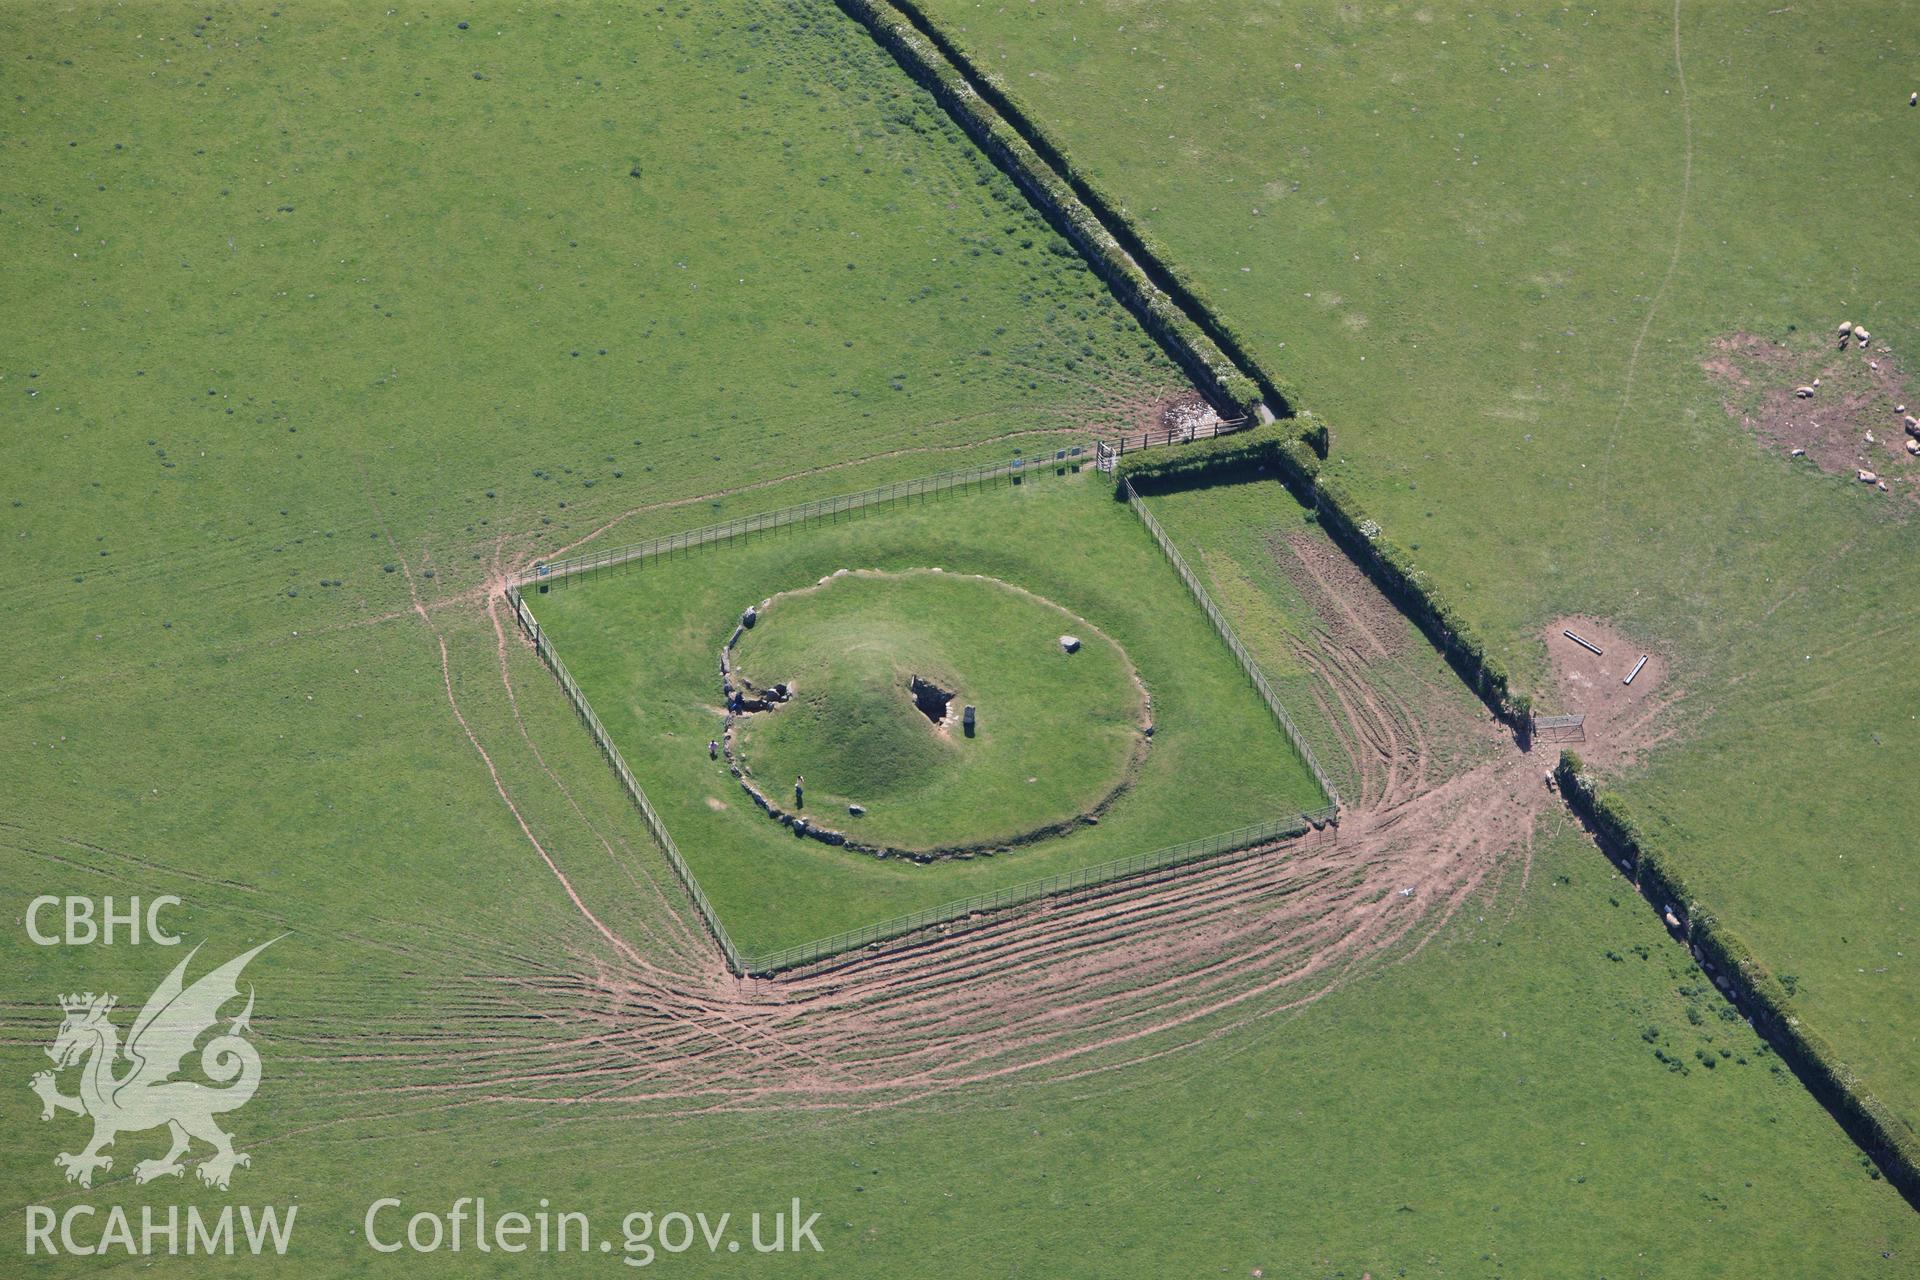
[1212, 353]
[1890, 1140]
[1392, 568]
[931, 62]
[1182, 313]
[1289, 453]
[1156, 470]
[1192, 297]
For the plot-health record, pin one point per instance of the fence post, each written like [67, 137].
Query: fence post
[947, 482]
[1058, 885]
[1226, 632]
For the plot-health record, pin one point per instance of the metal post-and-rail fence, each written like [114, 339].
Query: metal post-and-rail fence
[1065, 882]
[822, 509]
[1226, 631]
[544, 647]
[1129, 442]
[1568, 728]
[1015, 895]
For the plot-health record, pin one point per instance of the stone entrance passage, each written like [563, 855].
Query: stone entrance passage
[931, 699]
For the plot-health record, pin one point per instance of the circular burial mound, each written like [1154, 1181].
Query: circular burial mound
[880, 669]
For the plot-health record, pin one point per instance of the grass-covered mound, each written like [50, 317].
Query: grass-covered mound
[1508, 292]
[643, 643]
[1054, 735]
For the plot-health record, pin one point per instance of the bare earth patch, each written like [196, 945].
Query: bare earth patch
[1355, 613]
[1443, 804]
[1622, 720]
[1853, 420]
[1171, 411]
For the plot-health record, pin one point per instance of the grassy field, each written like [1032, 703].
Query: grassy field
[1347, 1136]
[643, 645]
[377, 770]
[484, 290]
[1053, 733]
[1238, 535]
[1497, 248]
[1497, 1100]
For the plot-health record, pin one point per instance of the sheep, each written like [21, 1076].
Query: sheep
[1805, 393]
[1863, 336]
[1868, 477]
[1846, 327]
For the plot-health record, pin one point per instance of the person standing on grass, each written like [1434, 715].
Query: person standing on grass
[713, 749]
[799, 792]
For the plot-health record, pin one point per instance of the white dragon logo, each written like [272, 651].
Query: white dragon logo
[146, 1096]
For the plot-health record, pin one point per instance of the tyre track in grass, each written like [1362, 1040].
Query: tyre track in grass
[619, 945]
[1673, 262]
[268, 580]
[588, 1020]
[1062, 989]
[685, 941]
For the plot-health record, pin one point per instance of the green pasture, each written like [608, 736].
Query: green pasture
[1535, 1128]
[286, 281]
[1236, 534]
[1054, 732]
[220, 687]
[1495, 1099]
[644, 645]
[1495, 246]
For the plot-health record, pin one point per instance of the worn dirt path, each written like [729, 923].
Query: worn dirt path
[1444, 801]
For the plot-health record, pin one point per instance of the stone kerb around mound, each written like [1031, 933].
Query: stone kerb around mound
[741, 698]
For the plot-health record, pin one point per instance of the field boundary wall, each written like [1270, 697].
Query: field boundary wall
[1139, 245]
[1168, 858]
[930, 60]
[935, 59]
[1232, 639]
[1174, 308]
[1745, 980]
